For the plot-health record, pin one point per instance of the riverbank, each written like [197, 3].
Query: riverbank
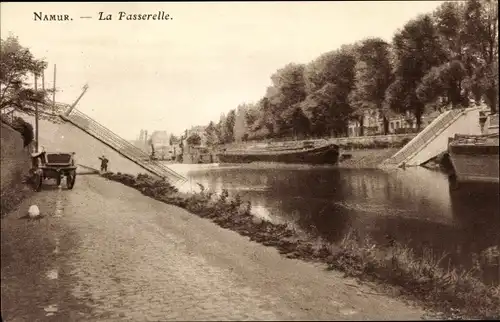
[349, 159]
[454, 292]
[105, 252]
[13, 196]
[364, 158]
[366, 152]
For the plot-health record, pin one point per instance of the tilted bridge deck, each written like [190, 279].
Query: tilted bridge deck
[120, 145]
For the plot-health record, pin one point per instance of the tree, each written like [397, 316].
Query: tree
[172, 140]
[264, 123]
[297, 121]
[240, 128]
[229, 126]
[445, 79]
[194, 139]
[481, 38]
[16, 65]
[25, 128]
[287, 90]
[251, 117]
[335, 67]
[211, 134]
[219, 129]
[449, 83]
[329, 81]
[328, 110]
[373, 77]
[359, 108]
[417, 49]
[469, 37]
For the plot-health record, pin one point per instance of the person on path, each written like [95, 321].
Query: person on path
[104, 164]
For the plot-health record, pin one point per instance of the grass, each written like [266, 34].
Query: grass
[376, 144]
[13, 196]
[457, 293]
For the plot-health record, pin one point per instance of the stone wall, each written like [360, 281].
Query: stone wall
[15, 163]
[343, 142]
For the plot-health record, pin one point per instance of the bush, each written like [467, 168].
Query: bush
[25, 128]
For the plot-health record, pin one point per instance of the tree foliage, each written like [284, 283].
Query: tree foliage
[194, 139]
[211, 134]
[373, 77]
[16, 65]
[173, 140]
[25, 128]
[417, 49]
[448, 57]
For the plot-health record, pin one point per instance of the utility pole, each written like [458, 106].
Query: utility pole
[85, 87]
[43, 80]
[54, 92]
[36, 114]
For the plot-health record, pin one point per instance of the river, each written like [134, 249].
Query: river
[416, 206]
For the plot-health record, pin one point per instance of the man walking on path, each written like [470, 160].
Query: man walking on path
[104, 164]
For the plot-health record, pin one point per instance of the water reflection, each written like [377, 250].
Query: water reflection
[414, 206]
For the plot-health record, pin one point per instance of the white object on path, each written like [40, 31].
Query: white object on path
[34, 212]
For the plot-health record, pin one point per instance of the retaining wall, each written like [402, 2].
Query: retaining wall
[15, 159]
[15, 162]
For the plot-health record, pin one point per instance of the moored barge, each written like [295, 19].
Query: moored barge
[475, 158]
[308, 154]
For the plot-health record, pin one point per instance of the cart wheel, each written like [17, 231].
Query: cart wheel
[70, 179]
[36, 181]
[453, 183]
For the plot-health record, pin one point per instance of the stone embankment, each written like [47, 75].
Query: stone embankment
[452, 292]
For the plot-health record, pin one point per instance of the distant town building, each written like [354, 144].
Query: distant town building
[141, 141]
[160, 138]
[159, 141]
[196, 154]
[200, 130]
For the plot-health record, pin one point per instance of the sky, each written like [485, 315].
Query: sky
[207, 59]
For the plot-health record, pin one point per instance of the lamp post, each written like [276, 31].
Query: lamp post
[54, 92]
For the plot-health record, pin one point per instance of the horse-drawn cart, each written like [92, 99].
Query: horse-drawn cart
[53, 166]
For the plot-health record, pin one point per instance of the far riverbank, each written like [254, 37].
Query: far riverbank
[355, 152]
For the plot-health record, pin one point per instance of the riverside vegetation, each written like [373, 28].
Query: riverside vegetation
[453, 293]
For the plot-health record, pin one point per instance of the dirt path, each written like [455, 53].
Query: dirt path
[104, 251]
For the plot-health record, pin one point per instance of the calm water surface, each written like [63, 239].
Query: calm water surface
[414, 206]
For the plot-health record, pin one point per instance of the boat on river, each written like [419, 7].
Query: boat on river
[475, 158]
[307, 153]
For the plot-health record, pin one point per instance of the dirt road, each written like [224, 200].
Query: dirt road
[103, 251]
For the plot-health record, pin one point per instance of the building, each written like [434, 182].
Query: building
[200, 130]
[160, 138]
[141, 141]
[197, 154]
[398, 123]
[159, 141]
